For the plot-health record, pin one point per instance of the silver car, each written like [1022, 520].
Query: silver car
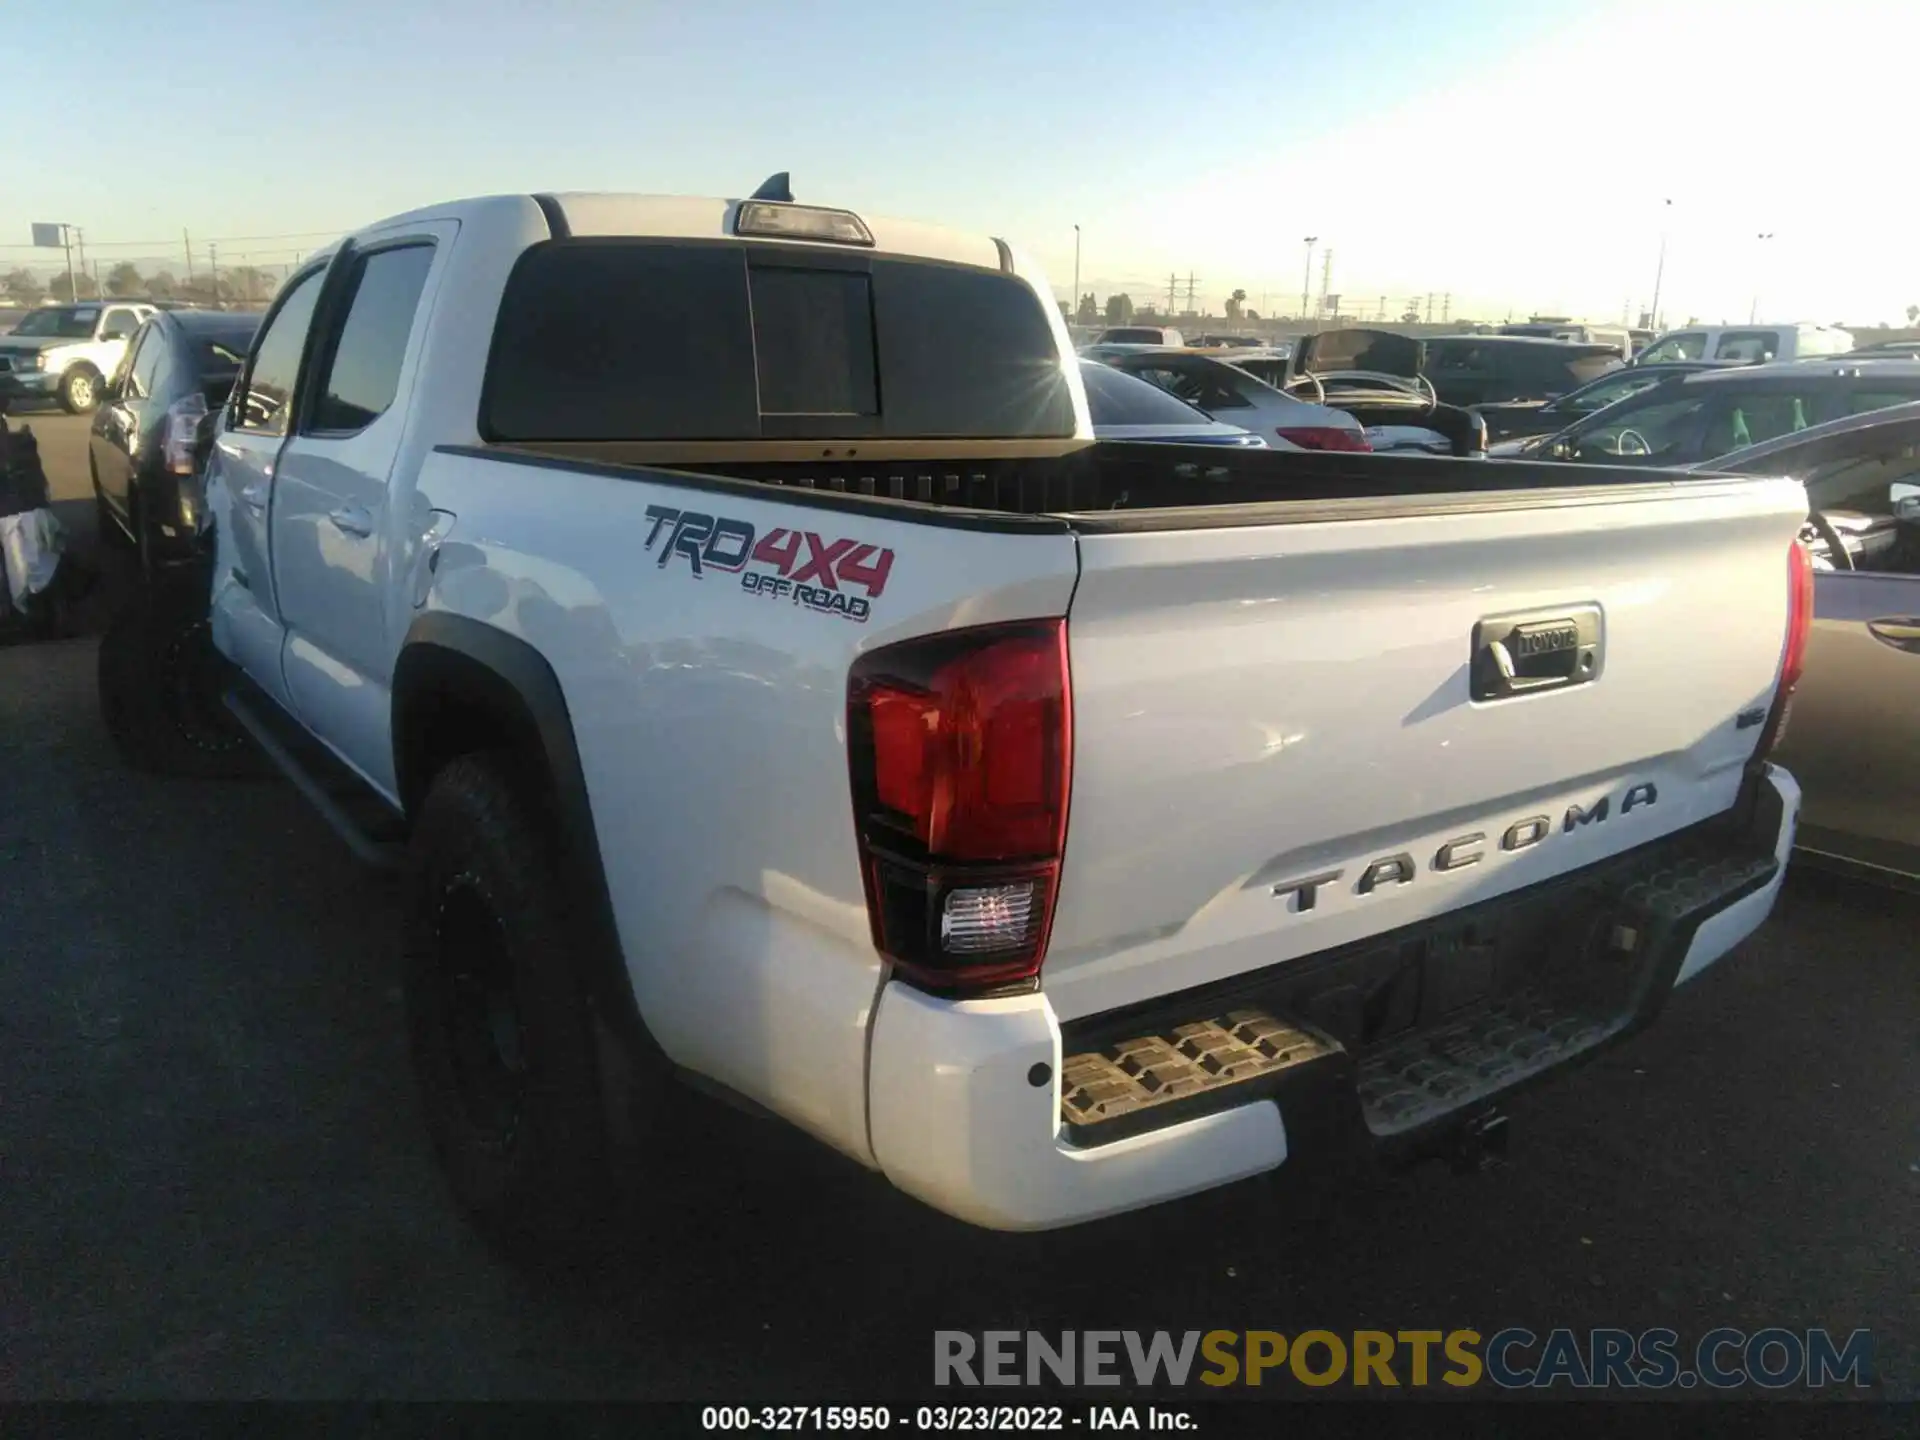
[1853, 734]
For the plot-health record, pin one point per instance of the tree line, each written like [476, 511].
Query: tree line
[241, 283]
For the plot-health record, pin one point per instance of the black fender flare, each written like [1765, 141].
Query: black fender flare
[516, 687]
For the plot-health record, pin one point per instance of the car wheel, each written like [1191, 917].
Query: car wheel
[79, 390]
[161, 683]
[500, 1025]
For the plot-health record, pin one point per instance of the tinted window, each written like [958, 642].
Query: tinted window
[1748, 347]
[276, 361]
[1859, 402]
[1194, 384]
[1747, 419]
[813, 342]
[1689, 345]
[363, 372]
[119, 324]
[220, 354]
[1125, 336]
[1118, 399]
[1604, 392]
[150, 350]
[632, 340]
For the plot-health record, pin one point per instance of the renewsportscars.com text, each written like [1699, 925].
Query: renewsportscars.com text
[1514, 1358]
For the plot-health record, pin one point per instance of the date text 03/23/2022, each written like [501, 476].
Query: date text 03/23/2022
[945, 1419]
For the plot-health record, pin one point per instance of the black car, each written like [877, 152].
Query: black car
[1511, 420]
[149, 436]
[1499, 369]
[1692, 420]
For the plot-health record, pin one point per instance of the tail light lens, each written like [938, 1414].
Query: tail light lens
[183, 425]
[960, 747]
[1793, 657]
[1325, 437]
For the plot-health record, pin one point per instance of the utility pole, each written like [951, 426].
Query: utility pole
[187, 240]
[213, 264]
[1326, 278]
[1306, 278]
[1429, 307]
[1446, 306]
[1383, 307]
[1660, 270]
[1076, 270]
[1173, 293]
[66, 237]
[1191, 308]
[1753, 313]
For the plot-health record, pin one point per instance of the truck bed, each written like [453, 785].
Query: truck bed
[1126, 486]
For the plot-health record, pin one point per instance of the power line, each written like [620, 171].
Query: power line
[164, 245]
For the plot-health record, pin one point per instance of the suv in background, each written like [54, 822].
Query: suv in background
[66, 352]
[1494, 369]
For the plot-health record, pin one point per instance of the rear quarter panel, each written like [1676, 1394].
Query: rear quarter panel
[711, 724]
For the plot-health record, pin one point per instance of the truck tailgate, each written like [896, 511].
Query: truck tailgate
[1278, 747]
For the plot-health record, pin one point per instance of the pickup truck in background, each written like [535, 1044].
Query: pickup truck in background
[721, 613]
[65, 353]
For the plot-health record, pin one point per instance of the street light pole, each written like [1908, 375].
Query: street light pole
[1753, 311]
[1660, 270]
[1076, 270]
[1306, 278]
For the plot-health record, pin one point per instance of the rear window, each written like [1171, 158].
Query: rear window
[220, 354]
[1115, 398]
[639, 340]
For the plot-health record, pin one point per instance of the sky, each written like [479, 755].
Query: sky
[1517, 156]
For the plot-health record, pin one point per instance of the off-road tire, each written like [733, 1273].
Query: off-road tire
[500, 1024]
[79, 390]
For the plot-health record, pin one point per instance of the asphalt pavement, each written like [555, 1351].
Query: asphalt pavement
[214, 1182]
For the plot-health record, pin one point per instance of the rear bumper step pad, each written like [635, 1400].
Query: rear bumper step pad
[1603, 968]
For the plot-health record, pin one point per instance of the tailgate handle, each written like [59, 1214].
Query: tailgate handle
[1525, 653]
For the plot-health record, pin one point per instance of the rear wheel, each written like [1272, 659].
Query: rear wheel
[501, 1027]
[161, 683]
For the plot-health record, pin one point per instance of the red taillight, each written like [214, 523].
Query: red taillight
[1325, 437]
[960, 747]
[1793, 656]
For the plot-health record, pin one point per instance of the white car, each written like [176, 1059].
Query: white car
[1746, 344]
[763, 676]
[66, 352]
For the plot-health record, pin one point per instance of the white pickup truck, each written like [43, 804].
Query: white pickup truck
[762, 678]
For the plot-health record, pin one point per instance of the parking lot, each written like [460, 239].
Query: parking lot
[216, 1186]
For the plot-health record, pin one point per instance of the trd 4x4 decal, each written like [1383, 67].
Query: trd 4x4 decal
[794, 565]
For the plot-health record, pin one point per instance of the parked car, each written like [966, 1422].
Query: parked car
[1228, 393]
[1853, 738]
[1692, 419]
[147, 446]
[1519, 418]
[1139, 335]
[615, 551]
[64, 353]
[1746, 344]
[1499, 369]
[1462, 370]
[1125, 408]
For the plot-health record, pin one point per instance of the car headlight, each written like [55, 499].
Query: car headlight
[29, 362]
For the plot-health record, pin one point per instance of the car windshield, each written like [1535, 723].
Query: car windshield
[1649, 427]
[61, 322]
[1117, 399]
[1602, 393]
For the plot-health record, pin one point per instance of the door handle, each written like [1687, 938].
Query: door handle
[254, 495]
[352, 520]
[1902, 632]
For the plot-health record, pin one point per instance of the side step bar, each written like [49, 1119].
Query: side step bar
[380, 854]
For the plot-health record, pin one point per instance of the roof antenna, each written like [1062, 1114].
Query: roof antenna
[774, 187]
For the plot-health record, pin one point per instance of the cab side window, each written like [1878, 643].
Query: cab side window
[261, 399]
[1688, 345]
[362, 360]
[1748, 347]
